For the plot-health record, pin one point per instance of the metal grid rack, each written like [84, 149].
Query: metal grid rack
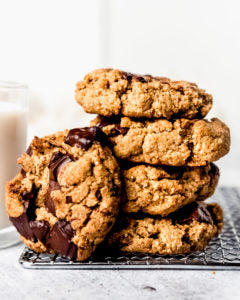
[222, 252]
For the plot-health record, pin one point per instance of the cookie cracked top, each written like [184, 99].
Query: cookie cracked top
[66, 197]
[180, 142]
[110, 92]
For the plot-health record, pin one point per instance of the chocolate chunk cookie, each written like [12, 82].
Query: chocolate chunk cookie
[189, 229]
[110, 92]
[179, 142]
[162, 190]
[66, 197]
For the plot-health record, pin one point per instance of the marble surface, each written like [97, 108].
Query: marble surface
[19, 283]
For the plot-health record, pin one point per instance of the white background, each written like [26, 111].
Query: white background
[51, 44]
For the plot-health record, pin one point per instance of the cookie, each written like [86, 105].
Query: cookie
[180, 142]
[162, 190]
[110, 92]
[66, 197]
[190, 229]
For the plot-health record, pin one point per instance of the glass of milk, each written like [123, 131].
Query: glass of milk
[13, 131]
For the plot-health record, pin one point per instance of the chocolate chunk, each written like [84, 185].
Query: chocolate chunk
[129, 77]
[140, 78]
[68, 199]
[22, 224]
[26, 224]
[119, 130]
[53, 186]
[84, 137]
[29, 151]
[29, 214]
[105, 121]
[98, 195]
[57, 161]
[39, 229]
[49, 203]
[197, 211]
[60, 239]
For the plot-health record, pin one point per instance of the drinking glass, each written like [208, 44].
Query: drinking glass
[13, 133]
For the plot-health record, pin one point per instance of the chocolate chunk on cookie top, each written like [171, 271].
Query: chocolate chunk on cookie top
[180, 142]
[84, 137]
[194, 211]
[66, 197]
[189, 229]
[110, 92]
[162, 190]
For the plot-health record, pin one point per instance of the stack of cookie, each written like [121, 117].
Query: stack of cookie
[165, 149]
[149, 135]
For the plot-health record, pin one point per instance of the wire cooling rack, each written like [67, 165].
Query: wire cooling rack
[222, 252]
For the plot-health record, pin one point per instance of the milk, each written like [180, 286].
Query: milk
[13, 126]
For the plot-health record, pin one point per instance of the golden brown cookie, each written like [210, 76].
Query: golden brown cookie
[189, 229]
[110, 92]
[162, 190]
[180, 142]
[66, 197]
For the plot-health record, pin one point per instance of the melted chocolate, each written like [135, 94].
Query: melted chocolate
[22, 224]
[57, 161]
[53, 186]
[60, 239]
[84, 137]
[49, 203]
[29, 195]
[29, 214]
[119, 130]
[29, 203]
[197, 211]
